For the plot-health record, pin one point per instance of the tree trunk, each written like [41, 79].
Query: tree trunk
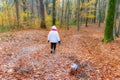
[115, 27]
[38, 7]
[2, 18]
[37, 21]
[86, 19]
[24, 9]
[118, 32]
[32, 9]
[42, 12]
[108, 33]
[61, 21]
[95, 11]
[78, 15]
[68, 13]
[119, 27]
[47, 8]
[66, 8]
[54, 13]
[99, 14]
[17, 12]
[86, 22]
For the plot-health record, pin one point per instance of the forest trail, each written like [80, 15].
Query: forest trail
[26, 55]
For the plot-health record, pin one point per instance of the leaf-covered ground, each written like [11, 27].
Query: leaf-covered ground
[25, 55]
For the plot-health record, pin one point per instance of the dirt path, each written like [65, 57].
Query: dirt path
[26, 58]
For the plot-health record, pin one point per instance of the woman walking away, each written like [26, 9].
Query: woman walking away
[53, 38]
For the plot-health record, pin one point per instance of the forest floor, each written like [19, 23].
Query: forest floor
[25, 55]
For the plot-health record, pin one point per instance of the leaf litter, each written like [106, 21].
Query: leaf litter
[26, 55]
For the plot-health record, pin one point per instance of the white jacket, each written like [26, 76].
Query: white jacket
[53, 36]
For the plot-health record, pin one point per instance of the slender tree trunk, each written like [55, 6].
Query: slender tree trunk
[119, 27]
[2, 22]
[42, 12]
[81, 9]
[54, 13]
[8, 15]
[86, 19]
[68, 13]
[38, 8]
[118, 31]
[78, 14]
[75, 12]
[108, 33]
[95, 11]
[58, 10]
[32, 9]
[99, 14]
[47, 8]
[86, 22]
[17, 13]
[24, 9]
[61, 21]
[115, 27]
[103, 11]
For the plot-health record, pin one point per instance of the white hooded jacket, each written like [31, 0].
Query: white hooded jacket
[53, 35]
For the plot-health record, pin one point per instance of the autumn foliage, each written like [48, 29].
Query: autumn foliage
[26, 55]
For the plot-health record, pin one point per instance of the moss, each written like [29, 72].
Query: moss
[108, 33]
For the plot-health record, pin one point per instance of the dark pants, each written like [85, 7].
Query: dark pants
[53, 46]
